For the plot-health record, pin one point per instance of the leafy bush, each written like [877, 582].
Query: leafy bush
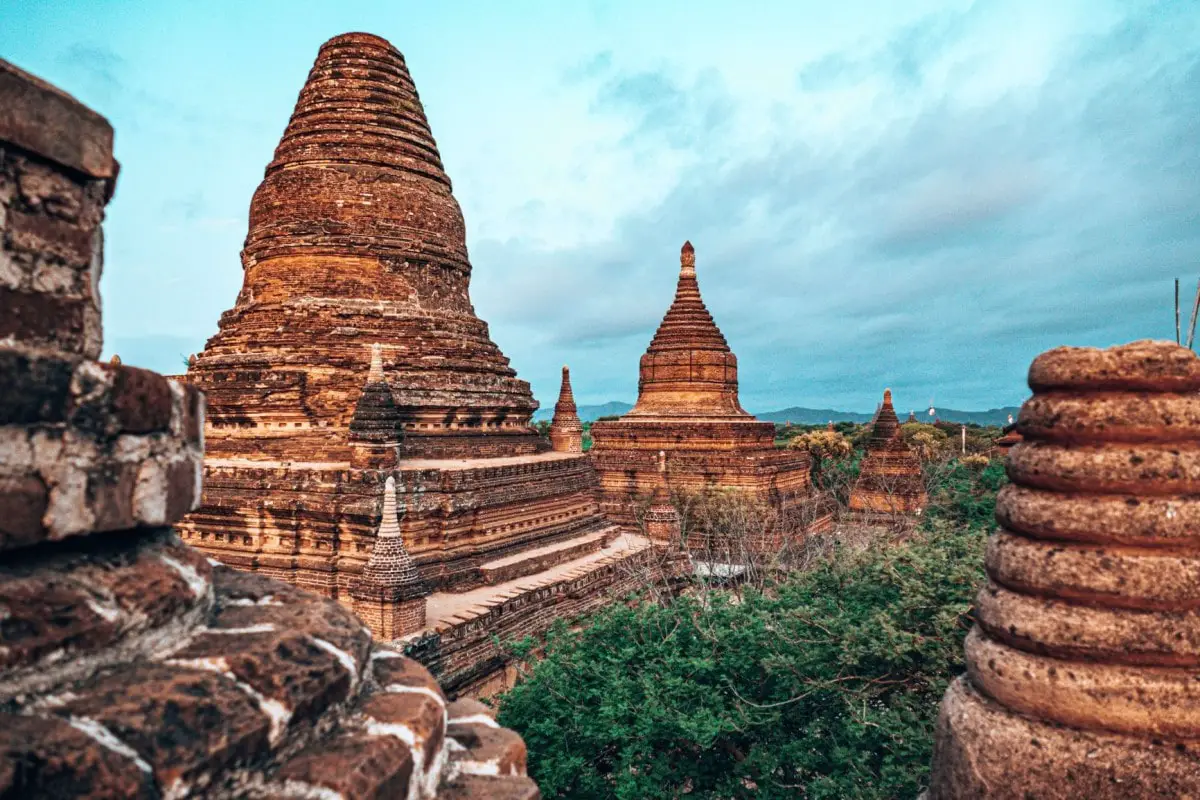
[966, 496]
[823, 686]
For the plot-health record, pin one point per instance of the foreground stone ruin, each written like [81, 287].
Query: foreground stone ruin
[1082, 670]
[890, 481]
[132, 666]
[353, 356]
[688, 408]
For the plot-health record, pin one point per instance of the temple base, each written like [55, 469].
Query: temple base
[984, 751]
[391, 619]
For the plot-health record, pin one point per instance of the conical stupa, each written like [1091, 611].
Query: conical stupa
[890, 480]
[355, 237]
[566, 431]
[688, 408]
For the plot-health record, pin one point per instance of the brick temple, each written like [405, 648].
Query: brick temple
[890, 481]
[353, 357]
[688, 409]
[1082, 666]
[132, 666]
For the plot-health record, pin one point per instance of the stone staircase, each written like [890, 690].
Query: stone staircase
[538, 559]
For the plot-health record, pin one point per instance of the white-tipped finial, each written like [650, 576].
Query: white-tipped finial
[375, 374]
[662, 461]
[389, 525]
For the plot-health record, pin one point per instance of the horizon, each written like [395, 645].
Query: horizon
[922, 197]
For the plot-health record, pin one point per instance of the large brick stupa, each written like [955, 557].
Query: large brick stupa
[132, 666]
[356, 251]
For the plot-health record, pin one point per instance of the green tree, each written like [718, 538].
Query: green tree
[823, 685]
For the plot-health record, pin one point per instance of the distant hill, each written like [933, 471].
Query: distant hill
[811, 416]
[587, 413]
[815, 416]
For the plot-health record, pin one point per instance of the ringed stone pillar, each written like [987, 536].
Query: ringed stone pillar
[1083, 672]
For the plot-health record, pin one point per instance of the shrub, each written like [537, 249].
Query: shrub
[823, 686]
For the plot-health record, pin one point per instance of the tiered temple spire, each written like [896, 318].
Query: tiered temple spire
[688, 408]
[662, 518]
[688, 369]
[355, 237]
[376, 429]
[890, 481]
[566, 431]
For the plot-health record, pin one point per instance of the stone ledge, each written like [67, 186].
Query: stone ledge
[47, 121]
[70, 613]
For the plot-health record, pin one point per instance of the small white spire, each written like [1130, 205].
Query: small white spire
[389, 525]
[375, 374]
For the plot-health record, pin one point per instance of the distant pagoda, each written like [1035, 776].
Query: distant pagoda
[890, 480]
[688, 408]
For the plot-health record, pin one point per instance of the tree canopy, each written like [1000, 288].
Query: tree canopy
[822, 685]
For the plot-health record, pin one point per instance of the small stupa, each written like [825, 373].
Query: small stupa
[890, 479]
[566, 431]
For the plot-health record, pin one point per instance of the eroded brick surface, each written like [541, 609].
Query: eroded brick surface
[1081, 670]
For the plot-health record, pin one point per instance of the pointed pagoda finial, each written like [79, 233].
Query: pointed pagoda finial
[566, 429]
[115, 360]
[887, 397]
[390, 595]
[662, 518]
[375, 373]
[687, 261]
[389, 524]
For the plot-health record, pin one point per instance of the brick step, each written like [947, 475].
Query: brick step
[528, 562]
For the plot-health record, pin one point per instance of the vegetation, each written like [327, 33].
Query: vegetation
[819, 684]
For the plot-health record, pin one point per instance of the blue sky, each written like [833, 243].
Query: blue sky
[922, 195]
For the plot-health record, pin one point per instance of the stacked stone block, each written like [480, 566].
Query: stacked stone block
[130, 665]
[1082, 670]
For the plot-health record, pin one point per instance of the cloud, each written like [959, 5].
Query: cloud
[590, 68]
[936, 245]
[658, 104]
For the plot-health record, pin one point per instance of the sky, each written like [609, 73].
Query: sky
[921, 195]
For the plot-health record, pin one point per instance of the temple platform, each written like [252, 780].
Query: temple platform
[459, 643]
